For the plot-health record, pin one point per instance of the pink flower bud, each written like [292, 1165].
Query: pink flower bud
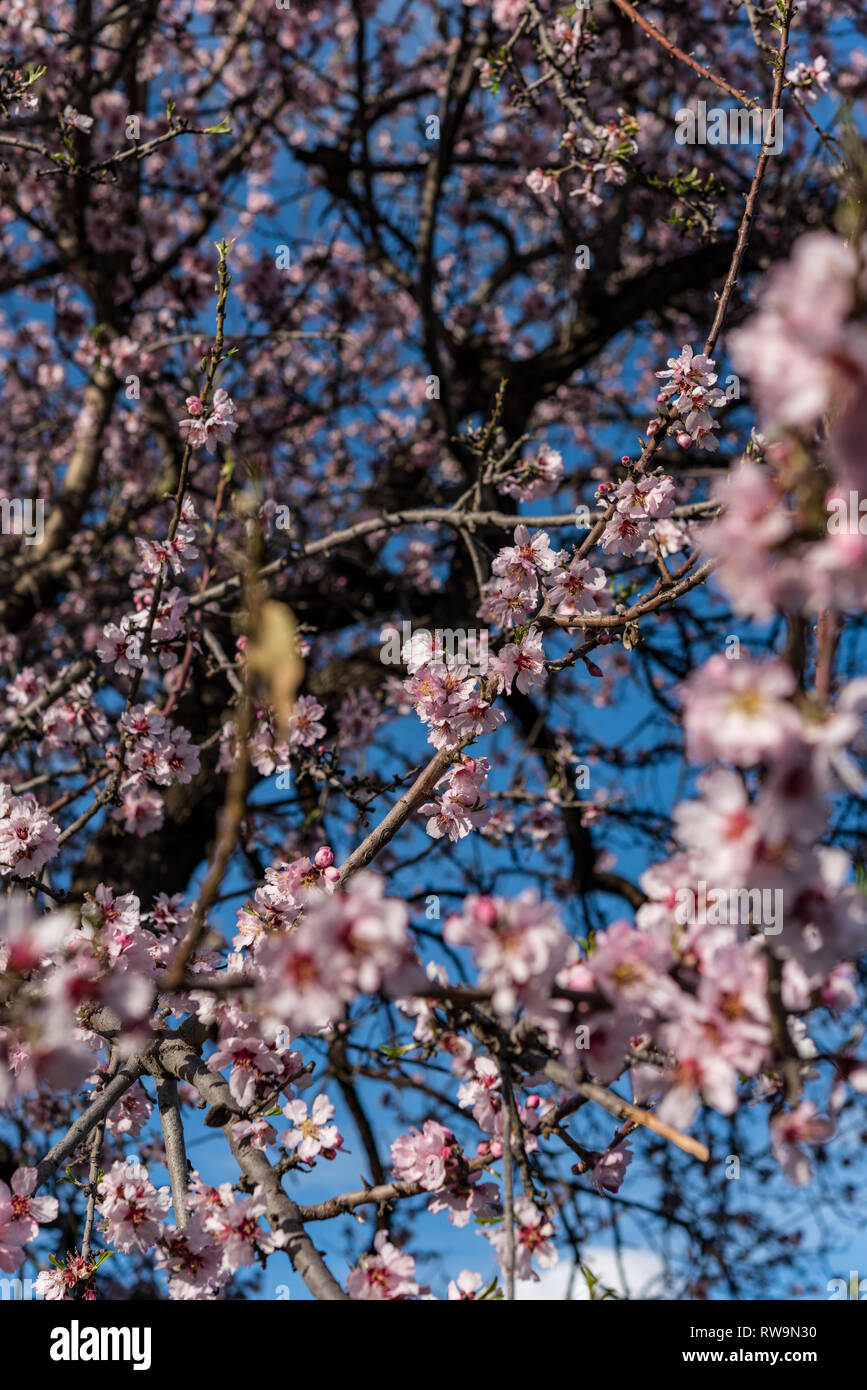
[496, 1148]
[485, 912]
[194, 405]
[533, 1102]
[332, 874]
[684, 440]
[324, 857]
[653, 428]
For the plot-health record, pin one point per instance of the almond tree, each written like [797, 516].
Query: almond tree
[433, 581]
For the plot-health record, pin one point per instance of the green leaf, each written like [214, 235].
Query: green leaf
[489, 1291]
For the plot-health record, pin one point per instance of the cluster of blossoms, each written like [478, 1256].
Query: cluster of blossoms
[386, 1275]
[155, 753]
[518, 946]
[346, 943]
[482, 1094]
[754, 856]
[39, 1041]
[805, 351]
[157, 750]
[692, 393]
[54, 967]
[461, 807]
[175, 552]
[269, 750]
[639, 509]
[536, 477]
[72, 1279]
[446, 696]
[512, 595]
[811, 78]
[132, 1209]
[222, 1233]
[120, 645]
[131, 1114]
[280, 899]
[692, 976]
[74, 721]
[602, 156]
[576, 589]
[28, 835]
[358, 717]
[572, 585]
[433, 1158]
[208, 429]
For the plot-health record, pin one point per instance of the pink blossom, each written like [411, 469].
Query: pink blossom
[386, 1275]
[424, 1156]
[610, 1168]
[518, 946]
[465, 1287]
[75, 119]
[791, 1130]
[28, 835]
[521, 663]
[812, 78]
[541, 182]
[192, 1260]
[578, 588]
[311, 1135]
[132, 1208]
[251, 1062]
[533, 1232]
[739, 710]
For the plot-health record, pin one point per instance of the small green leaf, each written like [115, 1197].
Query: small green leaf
[393, 1053]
